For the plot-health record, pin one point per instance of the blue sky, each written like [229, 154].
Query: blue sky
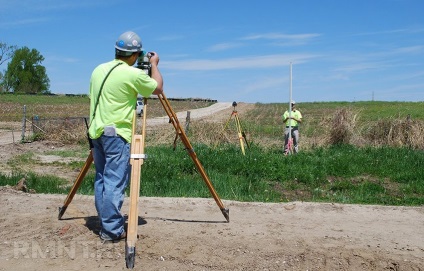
[340, 50]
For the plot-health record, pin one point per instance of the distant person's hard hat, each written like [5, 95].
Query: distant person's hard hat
[293, 102]
[127, 44]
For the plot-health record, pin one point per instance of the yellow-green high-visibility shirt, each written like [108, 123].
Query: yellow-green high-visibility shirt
[118, 97]
[295, 114]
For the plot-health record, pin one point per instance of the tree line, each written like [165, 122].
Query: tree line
[24, 73]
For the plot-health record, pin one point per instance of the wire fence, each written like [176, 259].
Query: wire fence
[69, 129]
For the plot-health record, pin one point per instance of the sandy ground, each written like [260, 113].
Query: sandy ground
[192, 234]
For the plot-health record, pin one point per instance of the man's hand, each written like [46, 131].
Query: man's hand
[155, 73]
[153, 58]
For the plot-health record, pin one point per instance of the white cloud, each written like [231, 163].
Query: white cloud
[21, 22]
[264, 84]
[249, 62]
[393, 31]
[224, 46]
[171, 38]
[28, 12]
[279, 39]
[410, 49]
[32, 6]
[279, 36]
[363, 66]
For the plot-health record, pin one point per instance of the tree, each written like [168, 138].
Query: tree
[6, 53]
[25, 74]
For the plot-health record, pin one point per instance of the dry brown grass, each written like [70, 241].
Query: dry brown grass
[67, 131]
[340, 126]
[343, 126]
[200, 131]
[342, 129]
[396, 133]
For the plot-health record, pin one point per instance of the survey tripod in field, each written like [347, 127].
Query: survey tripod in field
[240, 132]
[136, 160]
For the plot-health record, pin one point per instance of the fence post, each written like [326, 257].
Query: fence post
[408, 129]
[187, 124]
[23, 125]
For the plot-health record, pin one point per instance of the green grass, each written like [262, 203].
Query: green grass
[342, 174]
[270, 114]
[37, 183]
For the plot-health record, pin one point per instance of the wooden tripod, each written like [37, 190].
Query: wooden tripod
[136, 161]
[240, 132]
[180, 132]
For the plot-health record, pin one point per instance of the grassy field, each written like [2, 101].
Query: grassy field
[61, 106]
[360, 152]
[11, 108]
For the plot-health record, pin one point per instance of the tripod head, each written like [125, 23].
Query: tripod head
[234, 106]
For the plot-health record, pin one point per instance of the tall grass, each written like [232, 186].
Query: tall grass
[397, 124]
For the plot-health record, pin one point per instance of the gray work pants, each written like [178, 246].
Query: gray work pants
[295, 137]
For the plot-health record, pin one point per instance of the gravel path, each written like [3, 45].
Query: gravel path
[194, 114]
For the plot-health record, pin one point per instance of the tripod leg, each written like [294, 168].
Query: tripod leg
[136, 149]
[228, 121]
[240, 134]
[76, 185]
[243, 133]
[245, 139]
[174, 120]
[136, 161]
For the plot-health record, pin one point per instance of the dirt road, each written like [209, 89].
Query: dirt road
[192, 234]
[194, 114]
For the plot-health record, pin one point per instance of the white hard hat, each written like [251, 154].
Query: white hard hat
[128, 43]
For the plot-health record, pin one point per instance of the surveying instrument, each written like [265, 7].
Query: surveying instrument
[240, 132]
[289, 149]
[136, 160]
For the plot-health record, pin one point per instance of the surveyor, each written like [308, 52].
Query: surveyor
[292, 120]
[114, 87]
